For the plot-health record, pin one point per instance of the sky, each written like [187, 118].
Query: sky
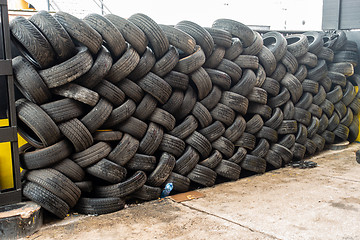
[277, 14]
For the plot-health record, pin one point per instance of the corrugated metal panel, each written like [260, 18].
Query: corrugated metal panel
[341, 14]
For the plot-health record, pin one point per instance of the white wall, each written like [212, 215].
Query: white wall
[278, 14]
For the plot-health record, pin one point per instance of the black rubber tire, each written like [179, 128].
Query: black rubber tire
[301, 73]
[202, 114]
[70, 169]
[305, 101]
[246, 140]
[177, 80]
[146, 63]
[132, 34]
[92, 154]
[287, 141]
[237, 29]
[310, 86]
[203, 82]
[99, 206]
[156, 87]
[179, 39]
[77, 92]
[228, 170]
[113, 38]
[253, 164]
[340, 109]
[200, 143]
[31, 42]
[324, 122]
[77, 133]
[97, 116]
[268, 133]
[310, 146]
[334, 121]
[261, 149]
[260, 76]
[185, 128]
[342, 132]
[154, 33]
[279, 72]
[172, 145]
[348, 118]
[110, 92]
[355, 106]
[152, 139]
[246, 83]
[302, 116]
[141, 162]
[173, 104]
[343, 67]
[121, 113]
[213, 131]
[299, 151]
[290, 62]
[282, 151]
[35, 125]
[337, 78]
[326, 53]
[202, 37]
[235, 50]
[85, 186]
[223, 114]
[315, 110]
[147, 193]
[166, 63]
[289, 110]
[327, 107]
[63, 110]
[213, 160]
[46, 199]
[267, 60]
[353, 130]
[280, 99]
[347, 56]
[335, 95]
[215, 58]
[271, 86]
[349, 94]
[297, 44]
[163, 118]
[124, 66]
[293, 85]
[219, 78]
[315, 41]
[247, 61]
[80, 31]
[134, 127]
[122, 189]
[328, 136]
[162, 171]
[301, 135]
[192, 62]
[309, 59]
[287, 127]
[255, 47]
[107, 136]
[235, 130]
[180, 182]
[238, 156]
[276, 119]
[187, 161]
[320, 96]
[98, 71]
[261, 109]
[29, 82]
[254, 124]
[224, 145]
[202, 175]
[313, 127]
[326, 83]
[231, 68]
[212, 98]
[235, 101]
[319, 142]
[47, 156]
[57, 183]
[274, 159]
[276, 43]
[108, 171]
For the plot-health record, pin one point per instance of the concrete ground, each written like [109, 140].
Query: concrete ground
[288, 203]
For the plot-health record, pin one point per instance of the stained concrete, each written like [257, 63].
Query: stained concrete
[288, 203]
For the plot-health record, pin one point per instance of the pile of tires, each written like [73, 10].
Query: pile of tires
[114, 108]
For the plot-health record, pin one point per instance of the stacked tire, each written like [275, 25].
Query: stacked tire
[114, 108]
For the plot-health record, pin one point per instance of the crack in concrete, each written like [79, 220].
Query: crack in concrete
[344, 179]
[231, 221]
